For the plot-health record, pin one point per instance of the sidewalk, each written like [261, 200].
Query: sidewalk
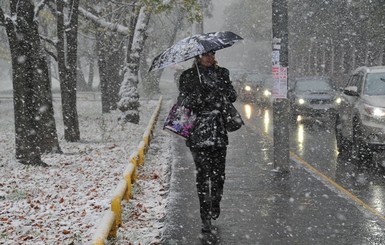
[259, 207]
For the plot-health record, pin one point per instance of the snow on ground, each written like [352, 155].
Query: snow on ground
[63, 204]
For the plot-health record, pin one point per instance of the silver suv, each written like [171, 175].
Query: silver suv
[312, 97]
[360, 124]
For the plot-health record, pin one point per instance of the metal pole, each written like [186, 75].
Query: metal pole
[280, 63]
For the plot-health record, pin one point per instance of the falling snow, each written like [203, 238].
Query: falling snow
[65, 202]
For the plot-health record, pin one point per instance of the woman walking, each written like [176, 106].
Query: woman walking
[204, 88]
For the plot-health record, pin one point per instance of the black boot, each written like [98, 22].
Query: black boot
[215, 210]
[206, 225]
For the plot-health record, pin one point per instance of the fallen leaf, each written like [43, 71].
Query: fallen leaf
[27, 237]
[88, 158]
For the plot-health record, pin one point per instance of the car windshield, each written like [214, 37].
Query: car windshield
[375, 84]
[313, 85]
[255, 78]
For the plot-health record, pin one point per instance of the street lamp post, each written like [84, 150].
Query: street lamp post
[280, 68]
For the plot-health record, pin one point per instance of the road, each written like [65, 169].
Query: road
[313, 142]
[260, 207]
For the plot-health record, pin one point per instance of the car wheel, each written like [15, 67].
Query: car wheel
[361, 150]
[343, 145]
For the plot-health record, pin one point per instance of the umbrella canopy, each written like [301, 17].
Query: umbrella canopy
[190, 47]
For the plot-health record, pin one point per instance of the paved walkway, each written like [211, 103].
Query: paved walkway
[260, 207]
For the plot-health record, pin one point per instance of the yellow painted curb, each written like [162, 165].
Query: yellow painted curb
[112, 219]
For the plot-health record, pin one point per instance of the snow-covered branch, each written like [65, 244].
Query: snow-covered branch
[5, 19]
[53, 43]
[103, 23]
[48, 40]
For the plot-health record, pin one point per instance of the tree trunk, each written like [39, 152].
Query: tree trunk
[348, 59]
[48, 135]
[318, 58]
[129, 96]
[103, 72]
[332, 60]
[91, 71]
[35, 129]
[67, 57]
[82, 84]
[116, 66]
[111, 60]
[328, 60]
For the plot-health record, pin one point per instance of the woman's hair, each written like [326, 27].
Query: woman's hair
[198, 59]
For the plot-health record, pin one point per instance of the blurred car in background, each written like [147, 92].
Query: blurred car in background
[360, 123]
[253, 88]
[313, 98]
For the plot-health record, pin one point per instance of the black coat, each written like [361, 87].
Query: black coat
[206, 98]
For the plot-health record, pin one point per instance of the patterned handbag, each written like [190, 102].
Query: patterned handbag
[180, 120]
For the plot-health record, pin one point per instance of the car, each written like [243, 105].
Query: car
[360, 124]
[313, 98]
[254, 88]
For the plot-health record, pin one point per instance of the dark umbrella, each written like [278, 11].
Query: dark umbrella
[190, 47]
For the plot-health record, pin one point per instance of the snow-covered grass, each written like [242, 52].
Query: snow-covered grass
[64, 203]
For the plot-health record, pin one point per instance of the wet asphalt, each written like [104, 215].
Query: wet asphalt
[260, 206]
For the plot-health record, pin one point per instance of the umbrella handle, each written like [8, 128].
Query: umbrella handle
[199, 74]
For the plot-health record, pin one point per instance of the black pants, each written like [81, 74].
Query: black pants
[210, 177]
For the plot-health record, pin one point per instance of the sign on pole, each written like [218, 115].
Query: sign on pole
[280, 82]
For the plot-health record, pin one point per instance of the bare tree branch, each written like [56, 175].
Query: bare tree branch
[51, 54]
[48, 40]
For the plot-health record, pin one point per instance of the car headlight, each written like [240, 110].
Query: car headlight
[301, 101]
[374, 111]
[247, 88]
[266, 93]
[338, 100]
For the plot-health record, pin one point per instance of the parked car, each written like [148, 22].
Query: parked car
[360, 124]
[313, 97]
[254, 88]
